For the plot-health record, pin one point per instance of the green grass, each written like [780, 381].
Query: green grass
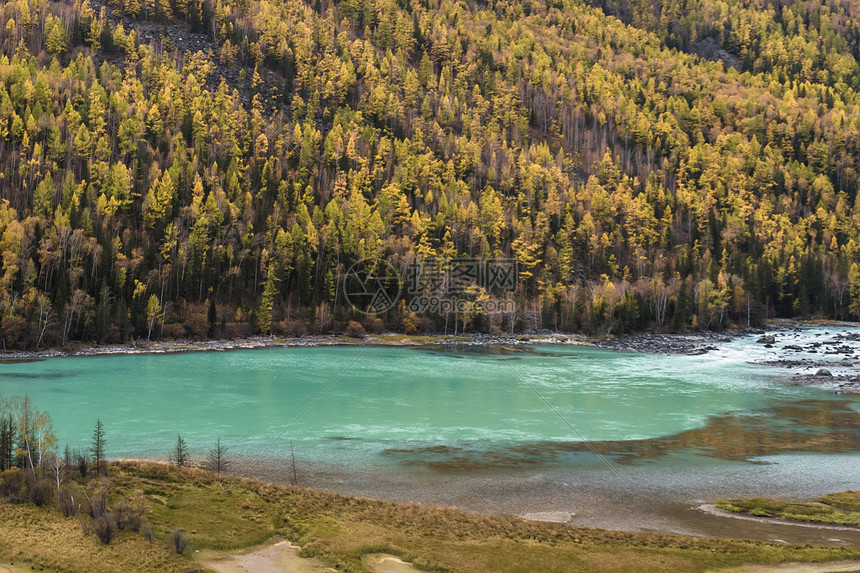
[397, 339]
[39, 539]
[849, 500]
[232, 513]
[835, 509]
[234, 517]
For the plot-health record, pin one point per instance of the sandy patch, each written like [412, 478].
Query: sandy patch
[10, 569]
[385, 563]
[279, 556]
[551, 516]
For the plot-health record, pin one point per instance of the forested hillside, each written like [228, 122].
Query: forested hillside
[200, 168]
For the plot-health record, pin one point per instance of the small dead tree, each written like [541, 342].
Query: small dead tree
[295, 480]
[217, 461]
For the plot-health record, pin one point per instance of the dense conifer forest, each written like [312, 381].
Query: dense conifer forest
[200, 168]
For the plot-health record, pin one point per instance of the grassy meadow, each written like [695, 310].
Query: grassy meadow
[229, 513]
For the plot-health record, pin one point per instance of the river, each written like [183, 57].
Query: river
[622, 440]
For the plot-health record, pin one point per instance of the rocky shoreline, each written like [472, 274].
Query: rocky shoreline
[692, 344]
[823, 361]
[256, 342]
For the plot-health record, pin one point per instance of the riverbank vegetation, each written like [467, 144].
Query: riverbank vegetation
[231, 513]
[833, 509]
[213, 168]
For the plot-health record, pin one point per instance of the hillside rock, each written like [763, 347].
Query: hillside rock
[709, 49]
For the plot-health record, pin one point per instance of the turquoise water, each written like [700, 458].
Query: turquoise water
[388, 398]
